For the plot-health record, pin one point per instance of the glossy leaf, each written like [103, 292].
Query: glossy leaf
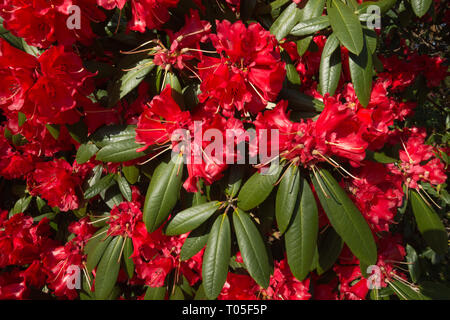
[361, 71]
[345, 217]
[287, 196]
[162, 193]
[330, 66]
[284, 23]
[429, 224]
[252, 248]
[104, 183]
[257, 188]
[301, 236]
[85, 152]
[189, 219]
[216, 257]
[108, 269]
[310, 26]
[124, 187]
[346, 26]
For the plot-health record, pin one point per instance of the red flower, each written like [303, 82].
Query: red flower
[123, 219]
[56, 182]
[248, 74]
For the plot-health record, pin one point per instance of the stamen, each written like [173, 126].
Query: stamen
[429, 197]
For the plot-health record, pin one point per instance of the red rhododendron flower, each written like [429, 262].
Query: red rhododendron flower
[58, 183]
[248, 74]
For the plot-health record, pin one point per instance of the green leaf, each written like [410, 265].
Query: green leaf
[287, 196]
[85, 152]
[124, 187]
[252, 248]
[361, 71]
[131, 173]
[420, 7]
[384, 5]
[128, 261]
[129, 80]
[30, 49]
[413, 263]
[301, 236]
[346, 26]
[216, 257]
[429, 224]
[380, 157]
[121, 151]
[330, 66]
[234, 181]
[113, 133]
[434, 290]
[95, 248]
[78, 131]
[177, 91]
[162, 193]
[310, 26]
[312, 9]
[300, 101]
[54, 130]
[405, 292]
[104, 183]
[195, 242]
[189, 219]
[256, 189]
[157, 293]
[329, 248]
[345, 217]
[21, 118]
[284, 23]
[108, 269]
[21, 205]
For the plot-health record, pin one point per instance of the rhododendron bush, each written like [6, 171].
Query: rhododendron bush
[254, 149]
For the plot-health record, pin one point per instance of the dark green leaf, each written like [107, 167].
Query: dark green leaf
[103, 184]
[330, 66]
[310, 26]
[108, 269]
[131, 173]
[252, 248]
[413, 263]
[85, 152]
[301, 236]
[128, 261]
[284, 23]
[96, 247]
[345, 217]
[162, 193]
[158, 293]
[189, 219]
[361, 71]
[113, 133]
[429, 224]
[195, 241]
[121, 151]
[124, 187]
[256, 189]
[216, 257]
[129, 80]
[234, 181]
[329, 248]
[346, 26]
[287, 196]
